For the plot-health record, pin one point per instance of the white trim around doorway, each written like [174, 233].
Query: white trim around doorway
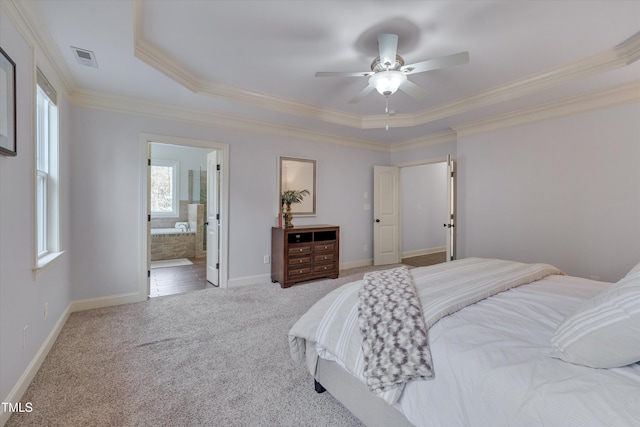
[145, 140]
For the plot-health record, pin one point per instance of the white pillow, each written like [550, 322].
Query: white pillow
[605, 331]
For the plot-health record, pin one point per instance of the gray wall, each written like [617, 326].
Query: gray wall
[111, 265]
[22, 294]
[423, 190]
[564, 191]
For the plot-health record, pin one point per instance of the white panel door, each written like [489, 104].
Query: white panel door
[386, 216]
[451, 207]
[148, 222]
[213, 222]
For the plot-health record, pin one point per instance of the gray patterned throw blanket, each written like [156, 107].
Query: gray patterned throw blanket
[394, 336]
[333, 322]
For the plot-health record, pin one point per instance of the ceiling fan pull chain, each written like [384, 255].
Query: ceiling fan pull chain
[386, 110]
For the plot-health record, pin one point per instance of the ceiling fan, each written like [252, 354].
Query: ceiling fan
[389, 72]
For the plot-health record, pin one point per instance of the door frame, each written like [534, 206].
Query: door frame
[428, 161]
[144, 153]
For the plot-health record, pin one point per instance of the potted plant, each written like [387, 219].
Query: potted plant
[288, 197]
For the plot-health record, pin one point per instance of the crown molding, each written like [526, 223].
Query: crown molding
[156, 58]
[122, 104]
[426, 141]
[280, 104]
[621, 55]
[28, 22]
[627, 93]
[31, 27]
[619, 95]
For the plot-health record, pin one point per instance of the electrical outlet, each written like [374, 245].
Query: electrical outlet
[46, 310]
[365, 248]
[24, 336]
[267, 259]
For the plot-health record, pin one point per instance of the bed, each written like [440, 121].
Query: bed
[544, 349]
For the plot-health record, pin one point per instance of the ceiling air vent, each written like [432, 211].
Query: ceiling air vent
[84, 57]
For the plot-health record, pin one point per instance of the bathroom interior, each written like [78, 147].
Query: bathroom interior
[178, 235]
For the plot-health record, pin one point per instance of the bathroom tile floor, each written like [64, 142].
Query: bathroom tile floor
[176, 280]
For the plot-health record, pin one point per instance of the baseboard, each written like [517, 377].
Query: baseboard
[91, 303]
[32, 369]
[248, 280]
[356, 264]
[420, 252]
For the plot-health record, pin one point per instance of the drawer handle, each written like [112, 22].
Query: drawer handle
[300, 261]
[300, 271]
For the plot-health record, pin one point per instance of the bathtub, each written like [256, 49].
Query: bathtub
[156, 231]
[172, 243]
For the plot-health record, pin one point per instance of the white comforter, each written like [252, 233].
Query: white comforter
[492, 367]
[442, 289]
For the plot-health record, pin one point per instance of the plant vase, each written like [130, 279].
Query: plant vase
[287, 216]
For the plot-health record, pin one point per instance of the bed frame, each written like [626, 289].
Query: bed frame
[352, 393]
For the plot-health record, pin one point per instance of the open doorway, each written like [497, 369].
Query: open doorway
[180, 187]
[423, 195]
[412, 202]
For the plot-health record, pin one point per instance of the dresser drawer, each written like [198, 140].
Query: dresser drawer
[320, 257]
[293, 272]
[325, 247]
[323, 267]
[299, 249]
[301, 260]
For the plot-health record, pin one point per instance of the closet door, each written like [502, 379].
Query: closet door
[386, 216]
[451, 206]
[213, 219]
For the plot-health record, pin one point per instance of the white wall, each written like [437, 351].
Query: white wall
[564, 191]
[22, 297]
[107, 196]
[423, 190]
[189, 158]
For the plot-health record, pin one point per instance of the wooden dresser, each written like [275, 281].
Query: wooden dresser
[304, 253]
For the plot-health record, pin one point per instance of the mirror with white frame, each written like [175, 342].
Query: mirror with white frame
[298, 175]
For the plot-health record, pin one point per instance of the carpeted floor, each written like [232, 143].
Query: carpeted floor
[216, 357]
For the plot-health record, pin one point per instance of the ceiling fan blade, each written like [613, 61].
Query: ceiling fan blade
[359, 97]
[434, 64]
[413, 90]
[343, 73]
[388, 46]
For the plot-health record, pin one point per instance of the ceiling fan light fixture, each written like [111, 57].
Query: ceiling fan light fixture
[387, 82]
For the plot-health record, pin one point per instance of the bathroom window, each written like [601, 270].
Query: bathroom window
[46, 179]
[164, 188]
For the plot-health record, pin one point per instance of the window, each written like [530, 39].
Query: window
[164, 188]
[46, 191]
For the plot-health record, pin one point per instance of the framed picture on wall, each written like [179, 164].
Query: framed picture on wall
[7, 105]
